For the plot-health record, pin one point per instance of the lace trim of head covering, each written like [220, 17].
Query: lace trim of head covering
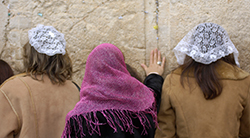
[205, 43]
[47, 40]
[108, 88]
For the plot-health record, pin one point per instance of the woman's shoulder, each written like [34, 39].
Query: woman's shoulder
[15, 87]
[231, 72]
[173, 77]
[13, 81]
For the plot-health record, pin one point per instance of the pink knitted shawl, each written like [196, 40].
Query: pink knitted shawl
[107, 87]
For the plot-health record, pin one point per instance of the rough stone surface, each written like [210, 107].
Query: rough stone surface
[3, 23]
[150, 22]
[127, 24]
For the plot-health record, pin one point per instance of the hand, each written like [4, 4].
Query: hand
[155, 56]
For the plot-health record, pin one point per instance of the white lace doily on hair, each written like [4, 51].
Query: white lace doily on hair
[47, 40]
[205, 43]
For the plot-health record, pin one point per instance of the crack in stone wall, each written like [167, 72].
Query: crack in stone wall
[88, 14]
[157, 21]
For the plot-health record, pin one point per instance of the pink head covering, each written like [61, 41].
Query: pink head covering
[108, 86]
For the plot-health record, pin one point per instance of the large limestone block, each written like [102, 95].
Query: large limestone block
[20, 22]
[177, 17]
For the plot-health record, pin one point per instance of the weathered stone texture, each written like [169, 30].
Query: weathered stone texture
[19, 22]
[3, 23]
[123, 23]
[150, 22]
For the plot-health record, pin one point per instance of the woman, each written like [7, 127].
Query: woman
[35, 104]
[208, 95]
[113, 104]
[5, 71]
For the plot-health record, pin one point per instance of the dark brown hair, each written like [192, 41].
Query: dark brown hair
[57, 67]
[5, 71]
[205, 75]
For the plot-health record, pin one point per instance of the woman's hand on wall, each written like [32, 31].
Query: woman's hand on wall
[156, 64]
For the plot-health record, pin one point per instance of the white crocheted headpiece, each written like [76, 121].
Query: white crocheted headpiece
[47, 40]
[205, 43]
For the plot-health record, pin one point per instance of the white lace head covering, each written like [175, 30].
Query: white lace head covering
[205, 43]
[47, 40]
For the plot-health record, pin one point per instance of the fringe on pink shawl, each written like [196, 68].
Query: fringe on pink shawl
[121, 118]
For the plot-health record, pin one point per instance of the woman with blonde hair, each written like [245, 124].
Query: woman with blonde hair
[207, 96]
[35, 104]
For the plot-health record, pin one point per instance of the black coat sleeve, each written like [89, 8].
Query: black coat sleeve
[155, 82]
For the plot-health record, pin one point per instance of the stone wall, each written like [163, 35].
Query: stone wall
[128, 24]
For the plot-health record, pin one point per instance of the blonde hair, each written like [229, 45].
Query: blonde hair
[57, 67]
